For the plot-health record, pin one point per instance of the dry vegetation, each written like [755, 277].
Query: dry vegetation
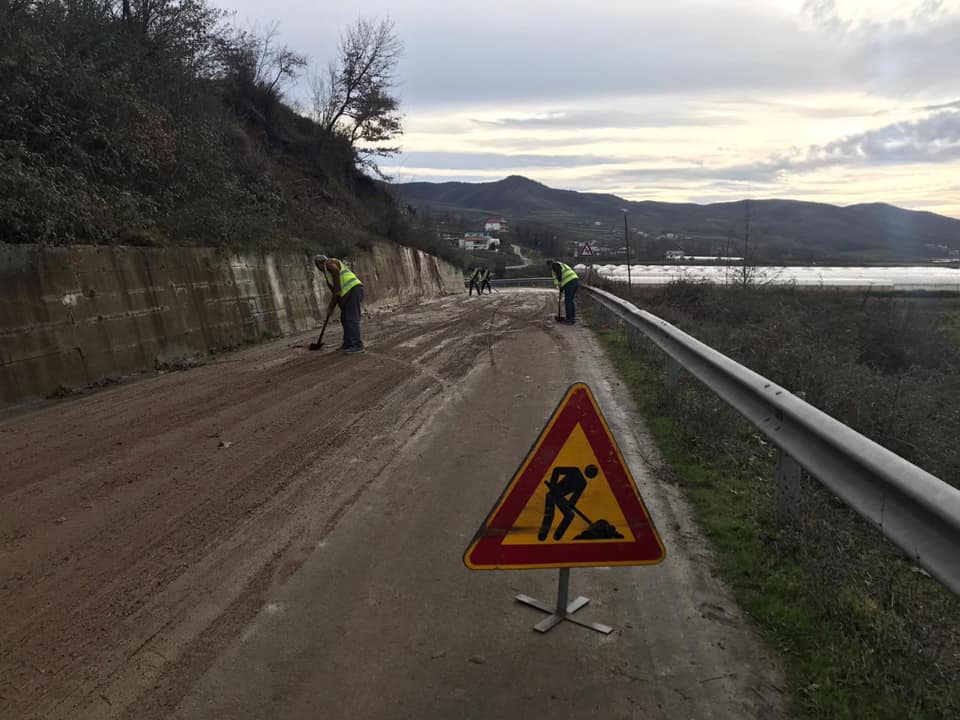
[157, 122]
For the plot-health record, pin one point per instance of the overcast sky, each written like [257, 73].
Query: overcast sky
[831, 100]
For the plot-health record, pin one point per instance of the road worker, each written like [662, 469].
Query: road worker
[475, 281]
[346, 291]
[567, 282]
[485, 277]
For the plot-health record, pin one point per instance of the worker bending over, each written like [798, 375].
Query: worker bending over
[475, 281]
[346, 291]
[567, 282]
[485, 276]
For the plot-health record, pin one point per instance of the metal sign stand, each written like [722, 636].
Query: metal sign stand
[563, 611]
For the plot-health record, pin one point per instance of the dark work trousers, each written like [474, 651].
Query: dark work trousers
[475, 284]
[569, 290]
[486, 284]
[350, 306]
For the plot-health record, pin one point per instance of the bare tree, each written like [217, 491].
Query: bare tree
[321, 94]
[256, 56]
[276, 65]
[354, 97]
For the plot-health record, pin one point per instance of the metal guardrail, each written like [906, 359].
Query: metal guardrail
[518, 282]
[914, 509]
[524, 282]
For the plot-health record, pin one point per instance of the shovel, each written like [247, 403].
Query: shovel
[599, 530]
[319, 343]
[559, 318]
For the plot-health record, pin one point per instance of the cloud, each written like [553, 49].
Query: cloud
[943, 106]
[824, 15]
[614, 119]
[931, 140]
[608, 50]
[934, 139]
[501, 161]
[910, 52]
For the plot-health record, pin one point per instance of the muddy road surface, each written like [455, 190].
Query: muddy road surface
[278, 534]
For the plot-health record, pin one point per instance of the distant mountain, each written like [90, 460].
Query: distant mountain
[780, 228]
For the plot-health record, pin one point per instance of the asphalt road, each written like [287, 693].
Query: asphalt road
[279, 535]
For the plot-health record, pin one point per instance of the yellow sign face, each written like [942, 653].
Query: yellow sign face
[572, 503]
[595, 501]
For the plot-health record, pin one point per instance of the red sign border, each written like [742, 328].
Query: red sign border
[487, 550]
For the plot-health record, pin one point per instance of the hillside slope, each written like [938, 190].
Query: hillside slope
[157, 124]
[781, 228]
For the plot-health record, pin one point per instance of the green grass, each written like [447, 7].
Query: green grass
[951, 325]
[843, 653]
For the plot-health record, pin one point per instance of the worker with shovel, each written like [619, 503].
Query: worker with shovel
[485, 277]
[346, 291]
[475, 281]
[564, 488]
[567, 282]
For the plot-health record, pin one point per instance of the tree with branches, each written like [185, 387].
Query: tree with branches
[354, 97]
[257, 56]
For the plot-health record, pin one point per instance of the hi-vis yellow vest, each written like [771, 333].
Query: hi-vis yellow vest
[566, 275]
[348, 281]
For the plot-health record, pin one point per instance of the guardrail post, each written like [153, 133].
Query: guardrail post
[787, 488]
[673, 373]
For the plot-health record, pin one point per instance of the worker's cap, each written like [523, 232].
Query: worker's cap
[319, 260]
[551, 261]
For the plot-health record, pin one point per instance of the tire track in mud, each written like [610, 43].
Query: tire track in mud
[114, 588]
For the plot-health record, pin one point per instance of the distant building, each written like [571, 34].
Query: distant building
[478, 241]
[495, 225]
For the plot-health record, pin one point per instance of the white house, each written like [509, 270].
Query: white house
[493, 225]
[478, 241]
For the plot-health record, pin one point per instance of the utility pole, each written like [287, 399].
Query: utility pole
[746, 238]
[626, 241]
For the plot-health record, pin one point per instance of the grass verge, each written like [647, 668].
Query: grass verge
[846, 655]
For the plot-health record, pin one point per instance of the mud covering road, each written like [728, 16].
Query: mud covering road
[279, 535]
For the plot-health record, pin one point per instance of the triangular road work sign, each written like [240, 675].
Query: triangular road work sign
[572, 502]
[586, 250]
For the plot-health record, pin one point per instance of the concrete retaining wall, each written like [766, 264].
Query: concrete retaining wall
[76, 315]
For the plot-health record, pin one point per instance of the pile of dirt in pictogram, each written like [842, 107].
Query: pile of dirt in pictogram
[600, 530]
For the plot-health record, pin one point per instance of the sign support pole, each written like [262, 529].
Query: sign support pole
[563, 610]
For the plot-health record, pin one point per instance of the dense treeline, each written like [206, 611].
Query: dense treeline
[157, 122]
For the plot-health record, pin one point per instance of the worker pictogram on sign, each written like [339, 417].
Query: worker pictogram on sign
[572, 502]
[585, 250]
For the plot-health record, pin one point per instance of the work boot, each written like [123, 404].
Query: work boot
[353, 350]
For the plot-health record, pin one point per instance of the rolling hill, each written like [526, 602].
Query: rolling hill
[781, 229]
